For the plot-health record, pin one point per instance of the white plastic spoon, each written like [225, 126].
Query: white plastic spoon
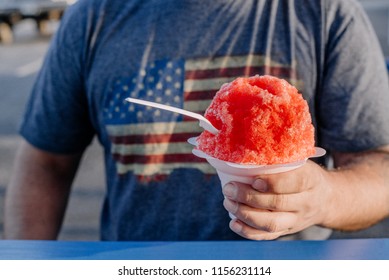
[206, 124]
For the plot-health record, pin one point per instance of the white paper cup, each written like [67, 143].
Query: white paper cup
[246, 173]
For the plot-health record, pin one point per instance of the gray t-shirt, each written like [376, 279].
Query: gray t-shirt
[180, 53]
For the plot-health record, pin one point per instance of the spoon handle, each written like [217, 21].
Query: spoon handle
[206, 124]
[167, 108]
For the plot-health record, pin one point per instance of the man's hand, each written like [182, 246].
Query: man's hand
[278, 204]
[352, 197]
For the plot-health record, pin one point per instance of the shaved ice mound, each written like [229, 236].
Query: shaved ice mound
[261, 120]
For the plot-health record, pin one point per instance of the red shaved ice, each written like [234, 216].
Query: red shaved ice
[261, 120]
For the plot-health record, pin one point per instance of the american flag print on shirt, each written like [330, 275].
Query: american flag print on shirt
[151, 143]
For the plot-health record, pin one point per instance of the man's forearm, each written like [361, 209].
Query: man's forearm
[360, 189]
[37, 195]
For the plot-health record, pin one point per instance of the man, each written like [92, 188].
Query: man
[179, 53]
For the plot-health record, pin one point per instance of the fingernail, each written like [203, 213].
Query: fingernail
[235, 226]
[229, 190]
[260, 185]
[230, 205]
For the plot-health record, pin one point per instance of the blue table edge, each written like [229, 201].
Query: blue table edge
[340, 249]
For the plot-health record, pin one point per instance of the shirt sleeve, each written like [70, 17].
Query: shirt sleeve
[354, 97]
[57, 116]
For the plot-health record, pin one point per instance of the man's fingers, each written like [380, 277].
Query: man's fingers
[245, 194]
[264, 220]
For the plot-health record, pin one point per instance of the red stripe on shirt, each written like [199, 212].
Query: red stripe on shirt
[153, 138]
[157, 159]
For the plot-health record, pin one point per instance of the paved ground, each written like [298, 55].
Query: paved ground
[18, 66]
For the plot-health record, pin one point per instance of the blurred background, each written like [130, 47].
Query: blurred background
[26, 27]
